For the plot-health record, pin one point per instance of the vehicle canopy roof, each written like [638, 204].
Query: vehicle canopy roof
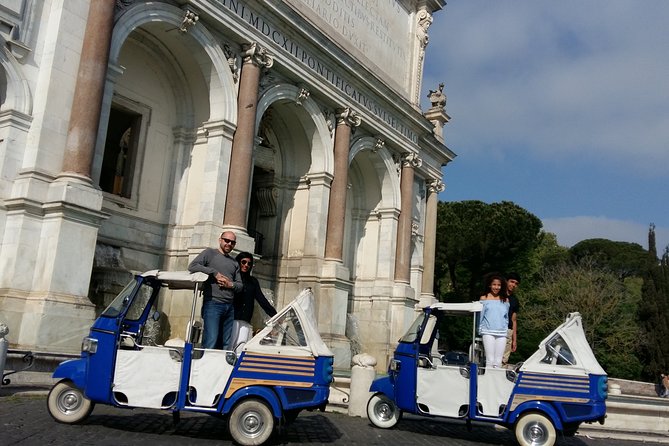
[177, 280]
[571, 331]
[303, 305]
[458, 307]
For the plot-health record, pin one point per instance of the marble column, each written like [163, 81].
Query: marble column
[434, 187]
[87, 102]
[334, 241]
[255, 59]
[403, 253]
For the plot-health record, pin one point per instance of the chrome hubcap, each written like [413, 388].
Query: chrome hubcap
[536, 434]
[252, 424]
[383, 411]
[69, 402]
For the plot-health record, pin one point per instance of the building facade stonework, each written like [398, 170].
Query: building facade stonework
[132, 133]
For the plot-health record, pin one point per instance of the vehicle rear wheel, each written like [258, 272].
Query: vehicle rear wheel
[67, 404]
[251, 423]
[535, 429]
[382, 411]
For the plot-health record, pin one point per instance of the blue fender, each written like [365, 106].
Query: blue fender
[537, 406]
[385, 386]
[74, 370]
[260, 392]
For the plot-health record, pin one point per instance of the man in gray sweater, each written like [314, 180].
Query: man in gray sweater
[219, 291]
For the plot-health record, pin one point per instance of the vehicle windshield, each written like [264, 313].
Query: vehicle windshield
[137, 306]
[286, 330]
[412, 334]
[558, 352]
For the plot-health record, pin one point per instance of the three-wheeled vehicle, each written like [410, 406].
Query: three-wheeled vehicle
[559, 387]
[282, 370]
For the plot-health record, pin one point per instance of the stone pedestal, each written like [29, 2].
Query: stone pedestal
[362, 375]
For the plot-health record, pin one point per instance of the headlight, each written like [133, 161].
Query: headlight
[395, 365]
[89, 345]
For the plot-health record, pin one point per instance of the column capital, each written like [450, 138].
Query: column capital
[411, 159]
[348, 116]
[257, 55]
[437, 186]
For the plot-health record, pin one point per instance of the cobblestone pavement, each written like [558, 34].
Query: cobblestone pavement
[24, 420]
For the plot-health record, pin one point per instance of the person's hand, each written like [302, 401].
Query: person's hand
[223, 281]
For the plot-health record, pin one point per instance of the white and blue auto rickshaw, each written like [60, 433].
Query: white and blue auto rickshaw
[559, 387]
[284, 369]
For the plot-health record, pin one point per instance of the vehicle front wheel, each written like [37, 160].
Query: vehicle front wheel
[67, 404]
[251, 423]
[382, 411]
[535, 429]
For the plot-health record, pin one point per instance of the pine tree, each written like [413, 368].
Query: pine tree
[652, 249]
[654, 318]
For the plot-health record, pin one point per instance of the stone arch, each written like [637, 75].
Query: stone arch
[372, 206]
[222, 87]
[322, 159]
[299, 135]
[17, 95]
[386, 169]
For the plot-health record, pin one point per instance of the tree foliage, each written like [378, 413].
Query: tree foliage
[608, 309]
[623, 258]
[474, 238]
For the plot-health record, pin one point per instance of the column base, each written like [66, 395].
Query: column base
[55, 324]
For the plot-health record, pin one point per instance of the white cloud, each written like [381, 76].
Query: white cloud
[571, 230]
[557, 79]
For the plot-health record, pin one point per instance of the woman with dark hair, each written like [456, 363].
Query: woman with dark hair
[494, 319]
[244, 302]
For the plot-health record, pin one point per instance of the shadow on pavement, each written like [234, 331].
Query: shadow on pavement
[457, 430]
[309, 428]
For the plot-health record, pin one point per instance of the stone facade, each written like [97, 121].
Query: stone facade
[132, 133]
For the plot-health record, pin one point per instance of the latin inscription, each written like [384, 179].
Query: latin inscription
[315, 65]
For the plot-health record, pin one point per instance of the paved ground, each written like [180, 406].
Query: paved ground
[24, 420]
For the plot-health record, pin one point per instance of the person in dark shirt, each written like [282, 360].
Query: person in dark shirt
[244, 302]
[512, 282]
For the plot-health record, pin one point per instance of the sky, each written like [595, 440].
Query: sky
[561, 107]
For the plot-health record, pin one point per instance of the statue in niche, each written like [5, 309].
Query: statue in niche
[121, 159]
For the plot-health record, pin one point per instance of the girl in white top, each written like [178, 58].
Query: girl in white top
[494, 320]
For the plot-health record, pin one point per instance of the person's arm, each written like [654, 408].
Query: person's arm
[262, 300]
[514, 335]
[201, 264]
